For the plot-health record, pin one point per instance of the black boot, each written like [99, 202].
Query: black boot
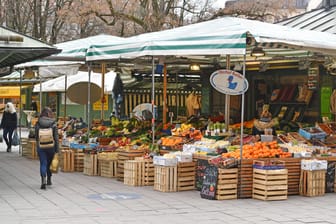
[49, 181]
[43, 183]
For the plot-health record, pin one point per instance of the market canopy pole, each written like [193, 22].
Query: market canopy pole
[227, 99]
[164, 117]
[153, 102]
[103, 68]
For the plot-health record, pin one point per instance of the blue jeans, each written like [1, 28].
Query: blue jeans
[46, 156]
[7, 135]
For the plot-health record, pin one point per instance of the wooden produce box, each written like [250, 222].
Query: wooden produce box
[165, 178]
[139, 172]
[90, 164]
[107, 167]
[227, 184]
[186, 176]
[270, 185]
[67, 160]
[122, 157]
[312, 183]
[293, 165]
[79, 159]
[29, 149]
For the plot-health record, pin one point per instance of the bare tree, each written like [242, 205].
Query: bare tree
[270, 10]
[130, 17]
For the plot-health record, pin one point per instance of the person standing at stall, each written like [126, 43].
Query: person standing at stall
[9, 124]
[46, 135]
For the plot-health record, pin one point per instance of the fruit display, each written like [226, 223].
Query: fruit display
[259, 150]
[171, 141]
[187, 130]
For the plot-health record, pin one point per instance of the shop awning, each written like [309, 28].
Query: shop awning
[16, 48]
[222, 36]
[73, 52]
[58, 84]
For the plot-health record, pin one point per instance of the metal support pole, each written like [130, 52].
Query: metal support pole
[227, 99]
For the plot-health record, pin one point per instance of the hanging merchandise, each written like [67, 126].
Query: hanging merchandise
[193, 104]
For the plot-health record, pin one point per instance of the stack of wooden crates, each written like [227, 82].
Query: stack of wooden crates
[270, 181]
[139, 172]
[180, 177]
[227, 184]
[313, 177]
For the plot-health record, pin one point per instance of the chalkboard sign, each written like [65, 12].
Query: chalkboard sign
[200, 172]
[209, 185]
[330, 177]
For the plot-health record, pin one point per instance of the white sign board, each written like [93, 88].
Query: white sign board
[229, 82]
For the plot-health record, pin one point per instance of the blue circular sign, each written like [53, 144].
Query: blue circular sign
[229, 82]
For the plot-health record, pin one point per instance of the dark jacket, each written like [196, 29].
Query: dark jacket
[118, 87]
[47, 122]
[9, 120]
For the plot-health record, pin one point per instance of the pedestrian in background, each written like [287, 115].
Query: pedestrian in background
[9, 124]
[46, 154]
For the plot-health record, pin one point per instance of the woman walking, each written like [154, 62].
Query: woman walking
[46, 145]
[9, 124]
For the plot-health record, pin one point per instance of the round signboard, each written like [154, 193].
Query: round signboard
[229, 82]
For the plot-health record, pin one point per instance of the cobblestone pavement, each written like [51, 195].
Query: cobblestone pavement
[77, 198]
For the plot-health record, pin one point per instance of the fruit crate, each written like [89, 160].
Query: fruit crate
[312, 182]
[78, 159]
[245, 180]
[139, 172]
[90, 164]
[67, 160]
[29, 149]
[227, 184]
[270, 185]
[107, 167]
[165, 178]
[122, 157]
[186, 176]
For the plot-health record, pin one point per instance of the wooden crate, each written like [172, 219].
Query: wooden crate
[90, 164]
[29, 149]
[139, 172]
[312, 183]
[67, 160]
[79, 159]
[270, 185]
[227, 184]
[165, 178]
[122, 157]
[186, 175]
[293, 165]
[108, 167]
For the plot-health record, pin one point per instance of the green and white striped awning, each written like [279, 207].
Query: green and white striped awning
[227, 35]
